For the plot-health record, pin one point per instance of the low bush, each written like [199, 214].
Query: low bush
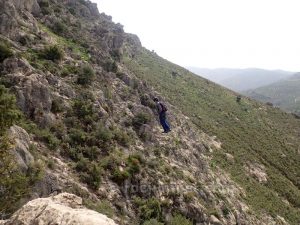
[84, 110]
[86, 75]
[179, 220]
[5, 52]
[9, 114]
[59, 28]
[103, 135]
[134, 164]
[57, 106]
[110, 66]
[147, 101]
[77, 137]
[152, 222]
[140, 119]
[49, 138]
[53, 53]
[69, 69]
[119, 176]
[24, 40]
[44, 3]
[82, 165]
[122, 138]
[93, 176]
[150, 209]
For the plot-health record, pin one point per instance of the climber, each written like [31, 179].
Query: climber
[162, 111]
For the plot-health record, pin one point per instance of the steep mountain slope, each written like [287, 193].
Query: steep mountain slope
[84, 88]
[284, 94]
[242, 79]
[254, 135]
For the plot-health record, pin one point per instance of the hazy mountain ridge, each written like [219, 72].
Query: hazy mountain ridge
[241, 79]
[284, 94]
[85, 90]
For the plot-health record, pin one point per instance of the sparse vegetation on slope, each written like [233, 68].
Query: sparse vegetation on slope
[90, 117]
[249, 131]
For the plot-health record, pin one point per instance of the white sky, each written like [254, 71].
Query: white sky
[215, 33]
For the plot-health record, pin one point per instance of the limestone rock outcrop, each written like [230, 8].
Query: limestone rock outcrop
[21, 147]
[62, 209]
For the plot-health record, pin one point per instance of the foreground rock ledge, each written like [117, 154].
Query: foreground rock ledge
[62, 209]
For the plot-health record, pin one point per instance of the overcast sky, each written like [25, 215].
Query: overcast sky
[214, 33]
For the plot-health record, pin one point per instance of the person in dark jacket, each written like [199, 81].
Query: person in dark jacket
[162, 112]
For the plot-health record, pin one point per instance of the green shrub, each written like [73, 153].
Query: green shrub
[84, 110]
[226, 211]
[134, 164]
[9, 114]
[44, 3]
[147, 101]
[82, 165]
[53, 53]
[179, 220]
[5, 52]
[51, 141]
[91, 152]
[152, 222]
[93, 176]
[57, 106]
[86, 75]
[59, 28]
[69, 69]
[110, 66]
[77, 137]
[119, 176]
[24, 40]
[140, 119]
[36, 171]
[122, 138]
[150, 209]
[14, 185]
[103, 134]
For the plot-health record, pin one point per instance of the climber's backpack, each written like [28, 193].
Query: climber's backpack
[163, 107]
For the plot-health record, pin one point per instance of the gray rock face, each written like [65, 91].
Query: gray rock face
[33, 97]
[32, 90]
[21, 147]
[10, 16]
[62, 209]
[16, 65]
[29, 5]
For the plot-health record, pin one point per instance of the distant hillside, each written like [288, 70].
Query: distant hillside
[284, 94]
[241, 79]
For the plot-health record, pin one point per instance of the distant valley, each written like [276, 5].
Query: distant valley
[241, 79]
[284, 94]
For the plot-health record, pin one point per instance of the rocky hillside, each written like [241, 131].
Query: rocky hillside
[77, 116]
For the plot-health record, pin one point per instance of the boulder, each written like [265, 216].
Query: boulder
[21, 147]
[16, 65]
[62, 209]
